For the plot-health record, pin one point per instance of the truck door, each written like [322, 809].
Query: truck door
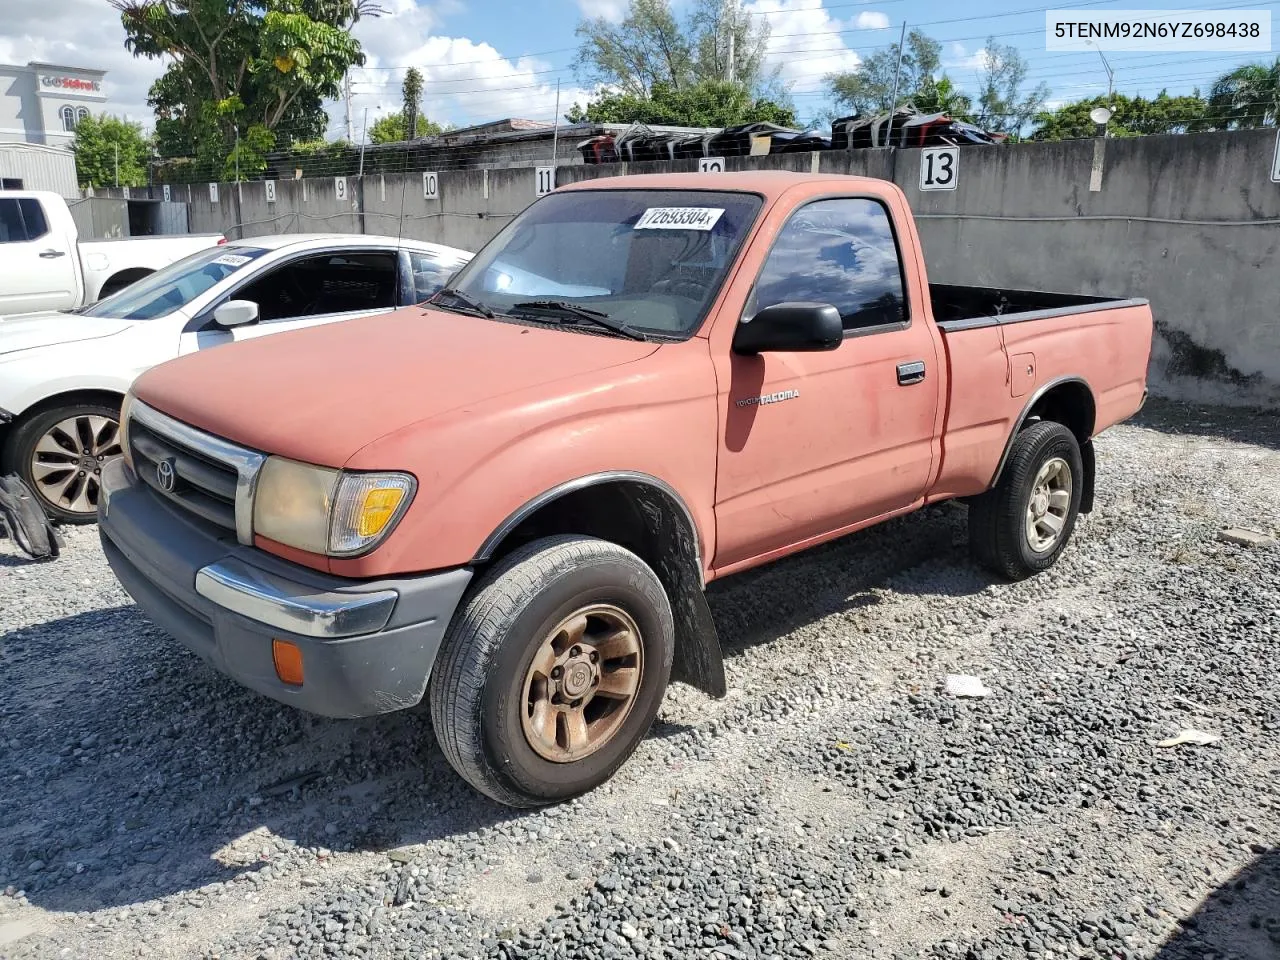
[37, 266]
[815, 442]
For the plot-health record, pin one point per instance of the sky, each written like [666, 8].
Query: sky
[485, 60]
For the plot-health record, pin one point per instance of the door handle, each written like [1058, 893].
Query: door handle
[909, 373]
[52, 254]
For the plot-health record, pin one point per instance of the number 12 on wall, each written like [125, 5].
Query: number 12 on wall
[939, 168]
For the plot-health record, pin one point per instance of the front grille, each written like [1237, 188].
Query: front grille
[198, 472]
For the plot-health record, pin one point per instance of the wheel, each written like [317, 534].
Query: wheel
[1020, 526]
[553, 670]
[60, 454]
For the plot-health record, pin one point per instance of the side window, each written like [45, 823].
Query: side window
[429, 274]
[33, 217]
[81, 114]
[325, 283]
[11, 228]
[68, 115]
[840, 252]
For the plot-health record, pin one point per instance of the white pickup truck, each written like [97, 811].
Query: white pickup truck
[45, 266]
[63, 375]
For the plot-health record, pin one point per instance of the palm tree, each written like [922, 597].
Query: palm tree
[1248, 96]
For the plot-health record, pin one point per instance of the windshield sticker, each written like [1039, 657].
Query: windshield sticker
[679, 218]
[232, 260]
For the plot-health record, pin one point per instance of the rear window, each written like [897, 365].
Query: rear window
[33, 217]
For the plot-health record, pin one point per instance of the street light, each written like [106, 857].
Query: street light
[1109, 110]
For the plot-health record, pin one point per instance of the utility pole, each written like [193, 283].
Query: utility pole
[897, 75]
[237, 156]
[346, 88]
[117, 146]
[733, 28]
[363, 137]
[555, 132]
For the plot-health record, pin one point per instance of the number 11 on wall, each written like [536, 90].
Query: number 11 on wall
[939, 168]
[546, 180]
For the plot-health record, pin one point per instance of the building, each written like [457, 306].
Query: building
[33, 166]
[43, 102]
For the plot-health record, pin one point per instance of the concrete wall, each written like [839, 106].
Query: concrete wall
[1190, 222]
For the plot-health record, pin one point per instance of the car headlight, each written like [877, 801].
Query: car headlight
[326, 511]
[124, 428]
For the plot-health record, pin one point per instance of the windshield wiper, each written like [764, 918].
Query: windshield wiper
[471, 304]
[564, 309]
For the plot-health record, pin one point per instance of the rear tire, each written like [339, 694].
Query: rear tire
[60, 454]
[1021, 526]
[559, 607]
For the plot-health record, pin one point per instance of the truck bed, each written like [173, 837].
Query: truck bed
[957, 307]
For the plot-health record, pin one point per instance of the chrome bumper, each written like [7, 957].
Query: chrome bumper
[279, 603]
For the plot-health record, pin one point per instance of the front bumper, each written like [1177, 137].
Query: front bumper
[367, 647]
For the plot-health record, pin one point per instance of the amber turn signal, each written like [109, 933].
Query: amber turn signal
[288, 660]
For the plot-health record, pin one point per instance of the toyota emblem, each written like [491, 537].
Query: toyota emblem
[166, 475]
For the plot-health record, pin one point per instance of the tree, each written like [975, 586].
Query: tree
[651, 46]
[942, 96]
[253, 71]
[1132, 117]
[869, 88]
[104, 145]
[1002, 104]
[390, 129]
[1248, 96]
[411, 90]
[707, 103]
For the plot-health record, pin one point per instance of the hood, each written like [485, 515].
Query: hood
[26, 330]
[322, 393]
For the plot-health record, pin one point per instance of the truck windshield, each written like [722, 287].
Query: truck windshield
[653, 260]
[174, 286]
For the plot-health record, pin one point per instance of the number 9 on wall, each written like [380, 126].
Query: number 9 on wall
[939, 168]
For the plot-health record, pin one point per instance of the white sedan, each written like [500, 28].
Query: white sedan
[63, 375]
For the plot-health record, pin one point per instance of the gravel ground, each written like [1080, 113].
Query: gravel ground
[837, 803]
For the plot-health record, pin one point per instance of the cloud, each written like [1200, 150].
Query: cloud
[871, 20]
[464, 82]
[81, 33]
[959, 58]
[806, 42]
[612, 10]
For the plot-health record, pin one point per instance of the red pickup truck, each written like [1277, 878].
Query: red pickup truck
[509, 499]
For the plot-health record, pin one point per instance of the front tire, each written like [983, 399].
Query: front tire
[1021, 526]
[553, 670]
[60, 454]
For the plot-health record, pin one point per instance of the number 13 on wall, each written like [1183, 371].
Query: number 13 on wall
[939, 168]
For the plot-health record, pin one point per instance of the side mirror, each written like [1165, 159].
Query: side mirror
[235, 313]
[790, 327]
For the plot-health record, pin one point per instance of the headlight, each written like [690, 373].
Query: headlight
[327, 511]
[124, 428]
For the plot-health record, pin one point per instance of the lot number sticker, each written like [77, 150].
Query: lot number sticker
[431, 186]
[939, 167]
[232, 260]
[270, 187]
[711, 164]
[166, 193]
[1275, 162]
[340, 188]
[679, 218]
[546, 180]
[213, 193]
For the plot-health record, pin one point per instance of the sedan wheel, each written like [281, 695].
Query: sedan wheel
[67, 462]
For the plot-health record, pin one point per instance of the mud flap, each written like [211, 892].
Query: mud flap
[23, 520]
[698, 659]
[1086, 492]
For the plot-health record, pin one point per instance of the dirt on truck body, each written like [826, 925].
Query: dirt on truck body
[510, 499]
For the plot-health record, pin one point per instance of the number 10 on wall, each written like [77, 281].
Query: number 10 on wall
[939, 168]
